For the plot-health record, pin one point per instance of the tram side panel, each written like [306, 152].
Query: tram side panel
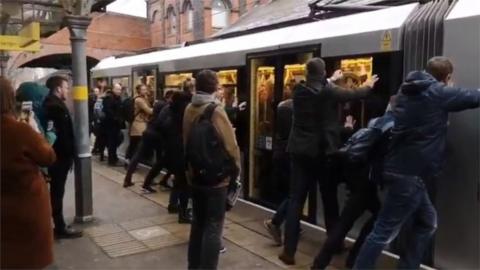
[458, 238]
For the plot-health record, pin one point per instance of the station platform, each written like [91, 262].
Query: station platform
[133, 230]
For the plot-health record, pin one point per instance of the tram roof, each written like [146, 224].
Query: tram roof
[233, 50]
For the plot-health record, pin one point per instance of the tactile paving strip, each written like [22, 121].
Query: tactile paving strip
[112, 239]
[103, 229]
[163, 241]
[126, 248]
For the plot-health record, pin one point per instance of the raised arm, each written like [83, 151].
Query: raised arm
[456, 99]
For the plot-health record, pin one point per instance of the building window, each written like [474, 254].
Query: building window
[220, 14]
[154, 16]
[188, 16]
[171, 21]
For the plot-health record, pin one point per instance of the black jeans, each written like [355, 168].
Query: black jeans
[132, 146]
[113, 138]
[181, 190]
[144, 146]
[363, 197]
[58, 173]
[206, 231]
[305, 172]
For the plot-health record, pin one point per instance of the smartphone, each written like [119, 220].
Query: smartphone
[26, 110]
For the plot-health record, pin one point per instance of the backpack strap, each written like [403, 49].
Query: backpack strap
[208, 112]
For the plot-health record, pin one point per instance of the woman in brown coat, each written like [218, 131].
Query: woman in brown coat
[26, 230]
[143, 111]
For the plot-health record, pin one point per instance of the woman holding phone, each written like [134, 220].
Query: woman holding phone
[26, 230]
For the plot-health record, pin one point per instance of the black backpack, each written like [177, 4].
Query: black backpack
[206, 153]
[365, 143]
[128, 109]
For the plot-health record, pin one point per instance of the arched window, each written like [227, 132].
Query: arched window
[188, 16]
[154, 17]
[171, 21]
[220, 14]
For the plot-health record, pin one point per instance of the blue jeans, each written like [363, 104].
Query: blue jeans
[406, 198]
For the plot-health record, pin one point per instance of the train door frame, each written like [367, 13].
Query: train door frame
[278, 56]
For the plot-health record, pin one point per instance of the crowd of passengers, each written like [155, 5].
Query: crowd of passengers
[190, 132]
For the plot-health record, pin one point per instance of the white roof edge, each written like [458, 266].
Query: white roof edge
[465, 8]
[392, 18]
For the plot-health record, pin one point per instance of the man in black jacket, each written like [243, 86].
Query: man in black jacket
[416, 157]
[315, 135]
[57, 112]
[113, 122]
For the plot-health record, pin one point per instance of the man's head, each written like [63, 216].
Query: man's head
[141, 90]
[189, 86]
[117, 89]
[58, 86]
[207, 81]
[441, 68]
[168, 96]
[316, 69]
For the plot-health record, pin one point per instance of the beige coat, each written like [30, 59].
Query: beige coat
[143, 111]
[223, 126]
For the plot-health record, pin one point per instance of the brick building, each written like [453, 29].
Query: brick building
[176, 21]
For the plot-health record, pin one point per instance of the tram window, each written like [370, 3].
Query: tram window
[175, 81]
[292, 75]
[227, 80]
[149, 78]
[124, 82]
[356, 71]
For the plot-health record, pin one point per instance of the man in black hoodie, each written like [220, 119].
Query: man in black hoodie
[416, 156]
[314, 137]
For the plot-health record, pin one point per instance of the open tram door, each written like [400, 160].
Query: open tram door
[272, 77]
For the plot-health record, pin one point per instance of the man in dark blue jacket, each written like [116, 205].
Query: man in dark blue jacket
[417, 154]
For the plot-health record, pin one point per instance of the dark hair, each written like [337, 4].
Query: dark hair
[7, 95]
[138, 87]
[188, 85]
[55, 81]
[316, 67]
[439, 67]
[207, 81]
[168, 94]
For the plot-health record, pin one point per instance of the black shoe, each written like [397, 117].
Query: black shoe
[286, 259]
[127, 184]
[184, 216]
[67, 233]
[148, 189]
[274, 231]
[172, 208]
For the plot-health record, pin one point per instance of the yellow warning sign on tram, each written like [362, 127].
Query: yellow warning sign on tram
[28, 39]
[386, 43]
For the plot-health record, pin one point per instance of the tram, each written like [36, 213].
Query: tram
[261, 68]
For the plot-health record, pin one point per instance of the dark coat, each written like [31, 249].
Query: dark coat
[26, 228]
[57, 112]
[316, 127]
[112, 107]
[421, 120]
[171, 126]
[152, 132]
[283, 125]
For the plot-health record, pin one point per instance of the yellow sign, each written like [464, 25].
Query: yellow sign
[386, 43]
[27, 40]
[80, 93]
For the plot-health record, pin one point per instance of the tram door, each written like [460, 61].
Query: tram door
[272, 79]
